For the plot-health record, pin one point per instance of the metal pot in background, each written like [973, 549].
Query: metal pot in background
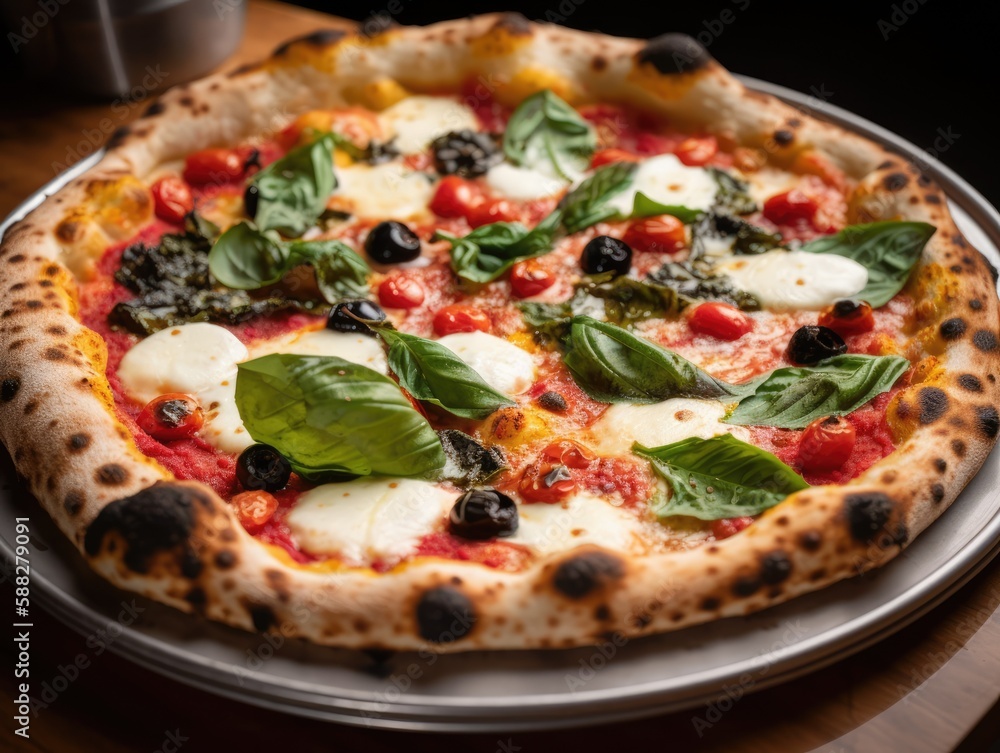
[121, 47]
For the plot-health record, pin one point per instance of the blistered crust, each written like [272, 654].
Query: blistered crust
[181, 544]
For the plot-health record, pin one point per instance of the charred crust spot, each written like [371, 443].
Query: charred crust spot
[811, 540]
[34, 304]
[587, 572]
[710, 604]
[674, 53]
[73, 502]
[958, 447]
[985, 340]
[54, 354]
[514, 23]
[51, 271]
[747, 586]
[932, 198]
[775, 567]
[794, 122]
[886, 165]
[224, 559]
[940, 465]
[956, 268]
[988, 420]
[783, 137]
[196, 597]
[78, 442]
[120, 134]
[111, 474]
[923, 180]
[17, 258]
[602, 613]
[191, 566]
[895, 181]
[599, 63]
[153, 110]
[952, 329]
[641, 621]
[186, 101]
[262, 617]
[867, 513]
[444, 614]
[933, 404]
[970, 383]
[56, 330]
[937, 493]
[9, 388]
[155, 519]
[959, 240]
[30, 407]
[320, 38]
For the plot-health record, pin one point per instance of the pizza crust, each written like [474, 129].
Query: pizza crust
[179, 543]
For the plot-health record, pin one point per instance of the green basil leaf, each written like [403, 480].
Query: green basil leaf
[245, 258]
[293, 190]
[732, 196]
[795, 396]
[889, 251]
[433, 374]
[613, 366]
[694, 281]
[331, 417]
[488, 251]
[544, 127]
[721, 477]
[587, 204]
[643, 206]
[341, 273]
[548, 322]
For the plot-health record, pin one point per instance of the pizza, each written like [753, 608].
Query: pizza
[491, 334]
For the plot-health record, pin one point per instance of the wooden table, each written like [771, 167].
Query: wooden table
[930, 687]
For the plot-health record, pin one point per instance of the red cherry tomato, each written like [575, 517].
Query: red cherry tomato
[826, 444]
[723, 529]
[697, 150]
[787, 207]
[610, 156]
[720, 320]
[214, 166]
[529, 277]
[171, 416]
[663, 233]
[254, 508]
[550, 478]
[455, 197]
[172, 199]
[460, 318]
[649, 144]
[848, 317]
[400, 292]
[492, 210]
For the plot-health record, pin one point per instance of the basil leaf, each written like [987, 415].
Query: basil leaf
[643, 206]
[488, 251]
[293, 190]
[587, 204]
[889, 250]
[341, 273]
[331, 417]
[548, 322]
[696, 282]
[433, 374]
[793, 397]
[613, 366]
[732, 196]
[544, 127]
[245, 258]
[721, 477]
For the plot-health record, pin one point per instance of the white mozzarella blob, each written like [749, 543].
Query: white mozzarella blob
[359, 349]
[768, 182]
[522, 183]
[717, 248]
[417, 121]
[669, 181]
[783, 280]
[368, 520]
[388, 191]
[501, 364]
[624, 424]
[584, 519]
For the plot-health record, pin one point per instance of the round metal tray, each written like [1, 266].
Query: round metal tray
[523, 690]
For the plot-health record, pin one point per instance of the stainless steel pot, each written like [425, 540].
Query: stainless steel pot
[123, 47]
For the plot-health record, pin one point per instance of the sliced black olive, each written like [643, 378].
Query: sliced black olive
[812, 343]
[341, 319]
[553, 401]
[483, 514]
[465, 153]
[606, 254]
[261, 467]
[250, 197]
[392, 242]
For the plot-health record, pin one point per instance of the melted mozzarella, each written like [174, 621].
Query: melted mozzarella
[669, 181]
[522, 183]
[584, 519]
[359, 349]
[624, 424]
[796, 279]
[367, 520]
[388, 191]
[500, 363]
[768, 182]
[417, 121]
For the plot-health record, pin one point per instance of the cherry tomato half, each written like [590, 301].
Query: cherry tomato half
[610, 156]
[720, 320]
[550, 478]
[529, 277]
[171, 416]
[455, 197]
[697, 150]
[726, 527]
[254, 508]
[663, 233]
[787, 207]
[214, 166]
[460, 317]
[172, 199]
[400, 292]
[826, 444]
[848, 317]
[489, 211]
